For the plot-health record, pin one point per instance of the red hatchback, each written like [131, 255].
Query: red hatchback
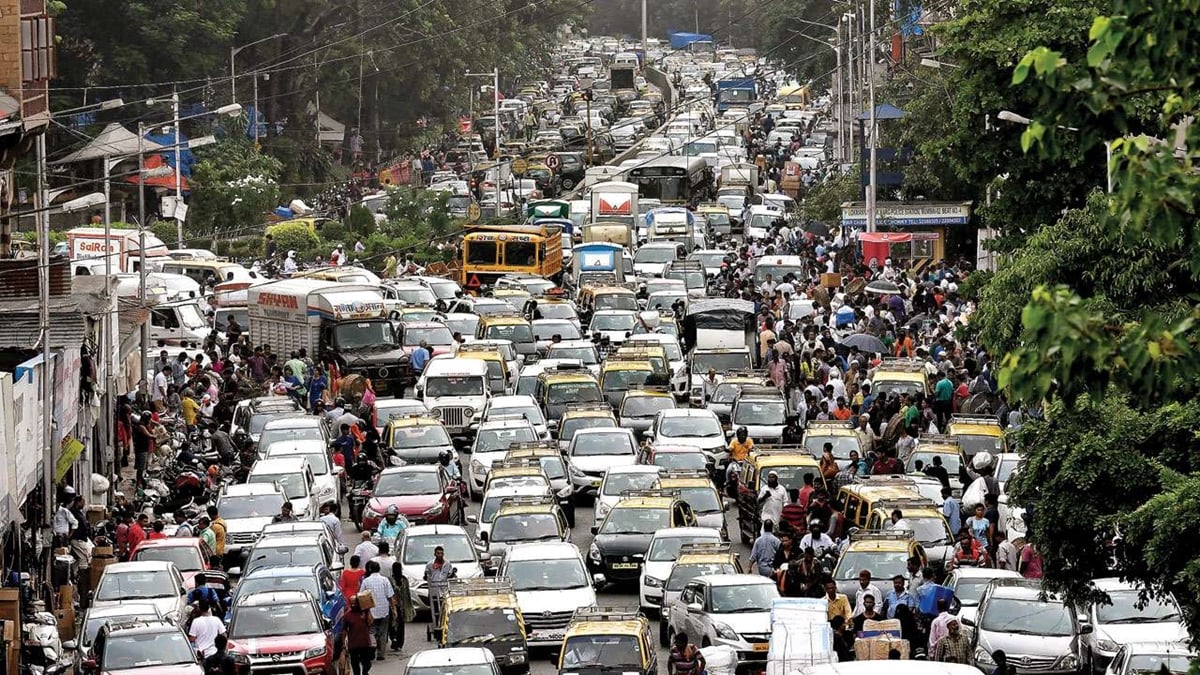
[190, 555]
[281, 631]
[420, 492]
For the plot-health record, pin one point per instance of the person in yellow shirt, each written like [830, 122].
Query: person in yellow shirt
[189, 408]
[740, 446]
[837, 605]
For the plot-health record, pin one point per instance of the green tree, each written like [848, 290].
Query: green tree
[233, 187]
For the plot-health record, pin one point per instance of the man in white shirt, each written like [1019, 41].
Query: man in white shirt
[367, 549]
[817, 540]
[380, 588]
[158, 393]
[771, 498]
[1006, 553]
[205, 628]
[332, 523]
[64, 521]
[865, 588]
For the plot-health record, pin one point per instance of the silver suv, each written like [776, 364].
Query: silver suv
[1039, 633]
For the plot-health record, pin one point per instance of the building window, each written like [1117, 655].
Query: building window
[37, 49]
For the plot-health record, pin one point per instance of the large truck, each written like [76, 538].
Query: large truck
[123, 245]
[736, 92]
[346, 324]
[615, 201]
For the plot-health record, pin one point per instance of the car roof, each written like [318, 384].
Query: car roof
[632, 468]
[669, 532]
[550, 550]
[298, 420]
[1113, 584]
[295, 447]
[686, 412]
[450, 656]
[410, 468]
[123, 609]
[512, 401]
[273, 598]
[288, 540]
[734, 580]
[983, 573]
[139, 566]
[169, 542]
[278, 465]
[419, 530]
[604, 430]
[249, 489]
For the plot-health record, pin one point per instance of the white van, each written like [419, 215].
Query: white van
[178, 322]
[455, 391]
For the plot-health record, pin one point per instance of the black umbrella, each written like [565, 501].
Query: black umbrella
[883, 287]
[866, 343]
[818, 228]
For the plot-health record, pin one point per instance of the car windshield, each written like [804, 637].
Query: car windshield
[617, 482]
[882, 564]
[418, 295]
[463, 324]
[317, 461]
[681, 460]
[623, 301]
[725, 393]
[722, 362]
[681, 574]
[702, 499]
[186, 558]
[431, 335]
[553, 467]
[477, 626]
[495, 440]
[422, 436]
[250, 506]
[547, 575]
[646, 406]
[275, 556]
[127, 652]
[972, 444]
[842, 445]
[265, 584]
[1026, 617]
[292, 618]
[598, 444]
[418, 550]
[134, 585]
[1161, 664]
[654, 254]
[294, 485]
[441, 387]
[1125, 608]
[621, 380]
[586, 355]
[259, 420]
[631, 520]
[563, 329]
[574, 392]
[357, 335]
[525, 527]
[689, 279]
[759, 412]
[970, 590]
[742, 599]
[517, 332]
[407, 483]
[610, 652]
[950, 462]
[93, 624]
[665, 549]
[1004, 469]
[929, 531]
[530, 411]
[613, 322]
[297, 433]
[556, 310]
[689, 427]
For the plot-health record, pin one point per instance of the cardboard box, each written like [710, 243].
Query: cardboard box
[831, 279]
[95, 513]
[876, 649]
[99, 562]
[366, 600]
[66, 623]
[103, 552]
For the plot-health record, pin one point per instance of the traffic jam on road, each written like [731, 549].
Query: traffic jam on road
[656, 426]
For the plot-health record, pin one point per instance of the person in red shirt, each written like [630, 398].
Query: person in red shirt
[352, 578]
[157, 532]
[137, 531]
[125, 522]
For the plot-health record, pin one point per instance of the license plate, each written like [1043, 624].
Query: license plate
[762, 647]
[547, 636]
[625, 566]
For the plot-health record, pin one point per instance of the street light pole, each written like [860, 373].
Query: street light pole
[178, 169]
[644, 57]
[874, 138]
[850, 80]
[496, 117]
[233, 52]
[43, 239]
[142, 244]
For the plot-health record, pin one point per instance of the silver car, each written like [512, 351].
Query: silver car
[1040, 634]
[1125, 620]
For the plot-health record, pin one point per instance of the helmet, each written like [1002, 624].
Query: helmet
[444, 456]
[340, 402]
[393, 511]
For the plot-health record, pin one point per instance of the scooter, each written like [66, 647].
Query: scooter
[42, 653]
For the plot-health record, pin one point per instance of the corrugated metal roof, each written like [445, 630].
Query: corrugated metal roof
[21, 332]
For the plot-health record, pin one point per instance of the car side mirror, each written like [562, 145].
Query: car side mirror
[595, 529]
[598, 580]
[966, 622]
[695, 608]
[483, 536]
[472, 519]
[235, 571]
[1086, 629]
[70, 645]
[342, 549]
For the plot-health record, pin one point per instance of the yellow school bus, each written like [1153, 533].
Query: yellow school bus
[490, 252]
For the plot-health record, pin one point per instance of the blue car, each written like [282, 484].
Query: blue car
[316, 580]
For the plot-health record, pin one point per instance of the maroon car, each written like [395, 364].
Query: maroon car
[421, 492]
[281, 631]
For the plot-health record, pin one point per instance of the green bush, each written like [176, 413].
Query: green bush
[360, 221]
[297, 237]
[166, 231]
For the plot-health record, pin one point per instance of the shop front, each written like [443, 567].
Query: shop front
[914, 235]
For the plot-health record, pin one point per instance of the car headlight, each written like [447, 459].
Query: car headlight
[326, 491]
[564, 493]
[651, 582]
[725, 632]
[594, 554]
[469, 411]
[369, 512]
[516, 658]
[1068, 662]
[478, 469]
[1107, 645]
[434, 510]
[576, 473]
[983, 657]
[240, 658]
[314, 652]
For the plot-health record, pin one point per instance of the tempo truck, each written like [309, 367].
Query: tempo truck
[344, 323]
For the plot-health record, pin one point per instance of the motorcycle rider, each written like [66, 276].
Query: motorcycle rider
[449, 468]
[223, 444]
[817, 540]
[360, 475]
[344, 445]
[391, 527]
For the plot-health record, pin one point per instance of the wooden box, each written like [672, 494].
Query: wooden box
[366, 600]
[831, 279]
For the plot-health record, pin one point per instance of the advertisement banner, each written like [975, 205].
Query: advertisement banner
[27, 424]
[67, 364]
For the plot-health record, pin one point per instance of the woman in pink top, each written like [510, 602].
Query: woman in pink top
[1031, 562]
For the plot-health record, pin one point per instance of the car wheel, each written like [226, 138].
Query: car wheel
[567, 184]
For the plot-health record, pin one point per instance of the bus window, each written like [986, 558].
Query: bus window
[520, 254]
[481, 252]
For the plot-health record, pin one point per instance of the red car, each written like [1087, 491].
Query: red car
[283, 631]
[420, 492]
[436, 335]
[190, 555]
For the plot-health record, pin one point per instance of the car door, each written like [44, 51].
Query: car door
[333, 603]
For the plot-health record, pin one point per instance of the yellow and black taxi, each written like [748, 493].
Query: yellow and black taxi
[694, 560]
[901, 376]
[619, 546]
[602, 640]
[564, 386]
[598, 298]
[977, 433]
[483, 612]
[499, 378]
[582, 416]
[509, 326]
[619, 374]
[836, 433]
[864, 497]
[885, 554]
[521, 472]
[790, 463]
[921, 517]
[639, 406]
[548, 457]
[417, 439]
[941, 450]
[525, 520]
[697, 490]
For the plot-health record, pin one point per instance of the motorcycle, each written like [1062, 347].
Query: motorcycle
[360, 494]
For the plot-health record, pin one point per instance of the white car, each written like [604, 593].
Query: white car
[584, 351]
[551, 582]
[388, 409]
[415, 550]
[157, 582]
[297, 479]
[1125, 621]
[491, 444]
[516, 406]
[613, 324]
[732, 610]
[968, 584]
[298, 427]
[660, 559]
[617, 481]
[1173, 658]
[327, 476]
[593, 452]
[695, 427]
[246, 509]
[453, 661]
